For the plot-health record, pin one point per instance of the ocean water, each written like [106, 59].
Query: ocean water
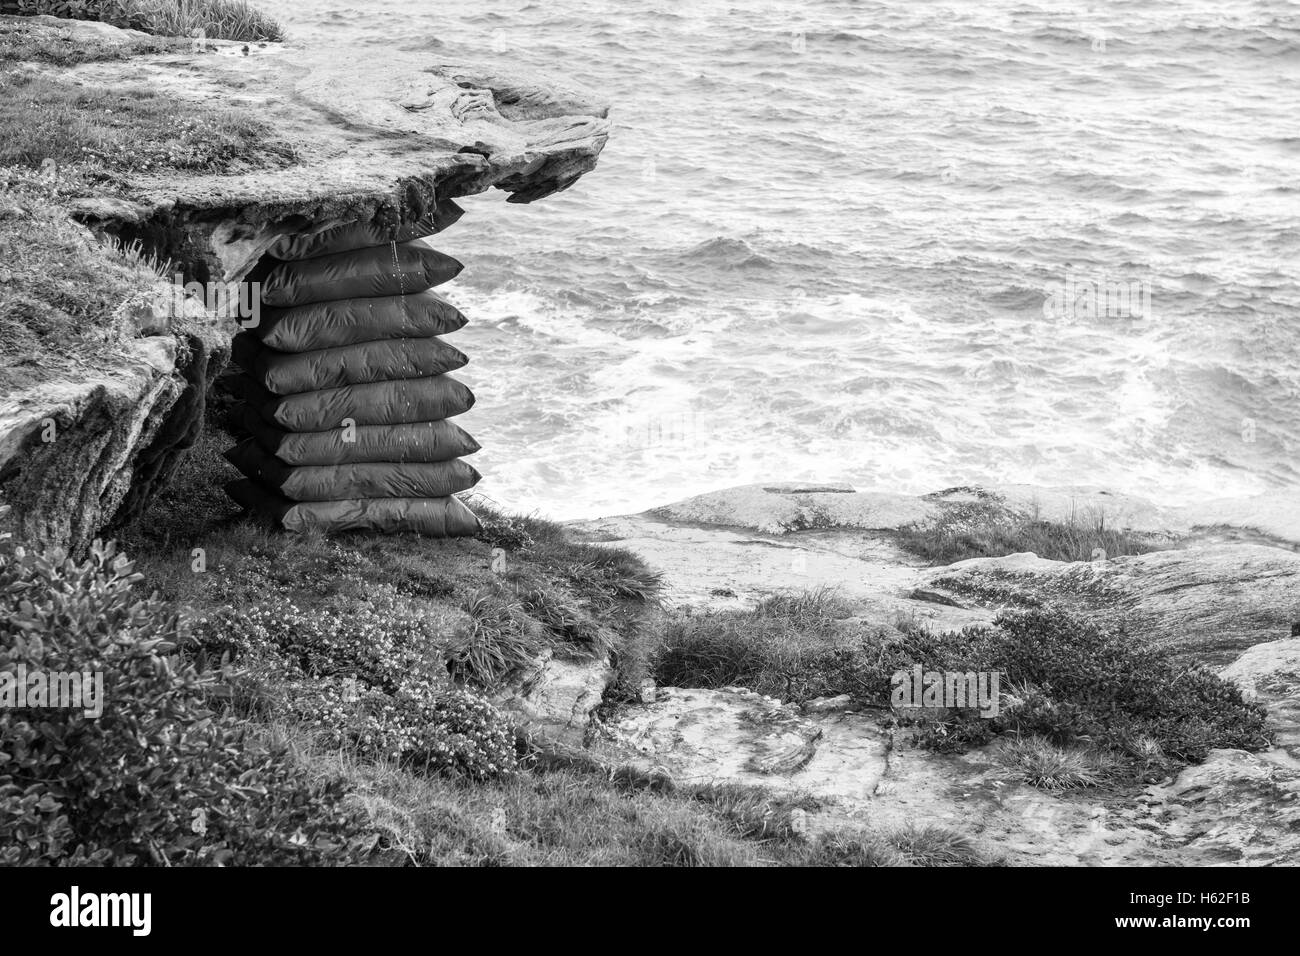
[832, 241]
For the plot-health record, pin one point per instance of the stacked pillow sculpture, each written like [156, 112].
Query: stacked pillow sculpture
[344, 391]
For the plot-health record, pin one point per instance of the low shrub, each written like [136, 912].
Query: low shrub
[369, 675]
[1062, 678]
[423, 728]
[156, 778]
[790, 647]
[384, 641]
[1071, 680]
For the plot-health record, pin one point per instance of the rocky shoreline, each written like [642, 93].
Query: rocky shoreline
[1216, 595]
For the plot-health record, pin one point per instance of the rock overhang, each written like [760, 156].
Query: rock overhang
[372, 139]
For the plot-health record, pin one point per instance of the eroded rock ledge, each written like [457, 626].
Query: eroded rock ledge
[374, 139]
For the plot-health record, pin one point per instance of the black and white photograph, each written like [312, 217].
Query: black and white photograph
[750, 434]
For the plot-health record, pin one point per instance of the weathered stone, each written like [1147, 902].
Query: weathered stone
[734, 568]
[555, 699]
[733, 735]
[779, 509]
[112, 436]
[1270, 674]
[826, 705]
[647, 691]
[1203, 602]
[81, 30]
[1235, 808]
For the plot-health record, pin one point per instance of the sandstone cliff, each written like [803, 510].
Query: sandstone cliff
[85, 445]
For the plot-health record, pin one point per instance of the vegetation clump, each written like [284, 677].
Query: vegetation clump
[212, 19]
[156, 778]
[987, 529]
[1064, 681]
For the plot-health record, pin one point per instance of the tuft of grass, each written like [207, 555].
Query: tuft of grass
[1042, 764]
[853, 849]
[212, 19]
[812, 610]
[137, 257]
[752, 813]
[933, 846]
[217, 19]
[567, 618]
[910, 846]
[498, 640]
[614, 570]
[987, 530]
[65, 300]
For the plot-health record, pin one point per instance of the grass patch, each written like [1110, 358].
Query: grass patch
[493, 613]
[217, 19]
[30, 43]
[126, 130]
[498, 640]
[360, 650]
[66, 301]
[560, 818]
[67, 304]
[985, 529]
[1042, 764]
[616, 572]
[576, 818]
[910, 846]
[795, 647]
